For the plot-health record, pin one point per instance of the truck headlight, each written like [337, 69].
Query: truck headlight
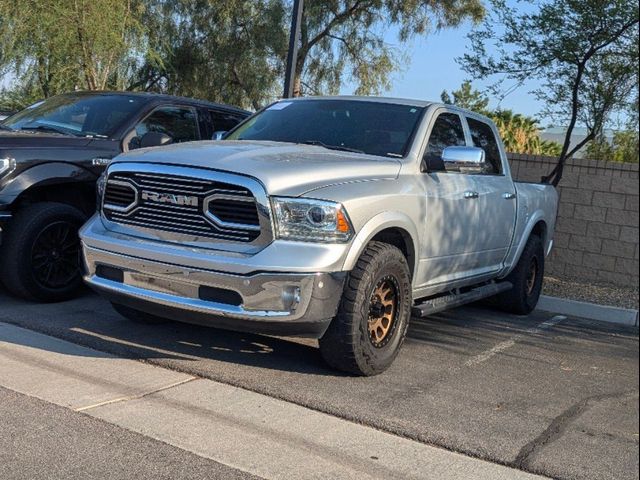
[311, 220]
[6, 165]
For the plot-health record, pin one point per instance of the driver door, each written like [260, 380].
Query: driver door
[449, 250]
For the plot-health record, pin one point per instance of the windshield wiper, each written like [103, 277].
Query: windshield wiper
[46, 128]
[332, 147]
[4, 127]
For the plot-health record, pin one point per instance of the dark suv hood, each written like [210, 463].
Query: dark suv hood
[27, 139]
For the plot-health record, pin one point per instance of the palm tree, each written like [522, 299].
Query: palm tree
[521, 134]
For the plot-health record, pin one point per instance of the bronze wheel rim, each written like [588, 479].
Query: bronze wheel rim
[532, 276]
[383, 308]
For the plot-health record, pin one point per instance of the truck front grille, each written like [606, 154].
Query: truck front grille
[185, 205]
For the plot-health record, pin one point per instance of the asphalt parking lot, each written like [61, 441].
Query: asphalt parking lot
[550, 395]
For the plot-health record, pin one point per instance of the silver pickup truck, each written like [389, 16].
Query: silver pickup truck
[335, 218]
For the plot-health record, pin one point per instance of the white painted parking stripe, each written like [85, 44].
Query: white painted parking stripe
[502, 346]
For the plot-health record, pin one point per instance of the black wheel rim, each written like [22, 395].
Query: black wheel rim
[383, 311]
[55, 255]
[532, 276]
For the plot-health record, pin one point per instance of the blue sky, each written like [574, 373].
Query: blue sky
[432, 68]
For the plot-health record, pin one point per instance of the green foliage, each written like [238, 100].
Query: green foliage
[520, 134]
[624, 147]
[56, 45]
[585, 52]
[231, 51]
[228, 51]
[343, 38]
[467, 97]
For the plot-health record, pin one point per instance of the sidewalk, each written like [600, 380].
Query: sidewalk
[246, 431]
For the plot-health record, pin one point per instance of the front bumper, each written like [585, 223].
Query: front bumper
[300, 304]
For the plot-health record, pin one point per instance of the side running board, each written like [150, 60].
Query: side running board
[445, 302]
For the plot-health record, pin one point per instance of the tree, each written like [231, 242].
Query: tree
[623, 147]
[344, 37]
[520, 134]
[227, 51]
[58, 45]
[585, 52]
[466, 97]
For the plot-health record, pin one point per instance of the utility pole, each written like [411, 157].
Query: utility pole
[292, 56]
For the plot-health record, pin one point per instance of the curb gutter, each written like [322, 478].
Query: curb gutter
[591, 311]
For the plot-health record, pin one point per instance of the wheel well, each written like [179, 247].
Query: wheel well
[80, 195]
[540, 230]
[402, 240]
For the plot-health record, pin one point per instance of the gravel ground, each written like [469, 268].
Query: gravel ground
[594, 293]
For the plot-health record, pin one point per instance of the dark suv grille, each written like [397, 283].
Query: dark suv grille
[177, 204]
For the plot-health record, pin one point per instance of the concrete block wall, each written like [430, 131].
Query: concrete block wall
[597, 234]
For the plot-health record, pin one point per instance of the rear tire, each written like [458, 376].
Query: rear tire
[40, 253]
[138, 316]
[366, 334]
[526, 278]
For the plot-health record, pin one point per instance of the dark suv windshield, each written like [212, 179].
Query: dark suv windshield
[81, 115]
[370, 127]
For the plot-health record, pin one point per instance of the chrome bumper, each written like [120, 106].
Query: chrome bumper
[277, 303]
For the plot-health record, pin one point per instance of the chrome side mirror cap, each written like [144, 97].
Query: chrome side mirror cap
[464, 159]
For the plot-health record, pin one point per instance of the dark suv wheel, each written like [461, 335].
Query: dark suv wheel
[526, 278]
[40, 252]
[366, 335]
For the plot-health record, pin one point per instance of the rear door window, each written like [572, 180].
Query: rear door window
[223, 121]
[483, 137]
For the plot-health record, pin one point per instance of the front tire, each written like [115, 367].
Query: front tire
[365, 336]
[40, 254]
[526, 278]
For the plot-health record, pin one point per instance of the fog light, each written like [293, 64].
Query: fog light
[291, 297]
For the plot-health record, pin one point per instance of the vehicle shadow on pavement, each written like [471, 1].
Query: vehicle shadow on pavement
[91, 322]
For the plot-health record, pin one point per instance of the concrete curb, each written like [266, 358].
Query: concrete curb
[591, 311]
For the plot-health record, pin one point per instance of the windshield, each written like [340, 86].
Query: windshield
[97, 115]
[369, 127]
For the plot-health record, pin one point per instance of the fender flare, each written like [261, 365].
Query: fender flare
[537, 216]
[50, 173]
[380, 222]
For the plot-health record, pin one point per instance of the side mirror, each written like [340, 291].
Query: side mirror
[219, 135]
[464, 159]
[155, 139]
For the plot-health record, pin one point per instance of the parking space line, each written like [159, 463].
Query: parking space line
[135, 397]
[502, 346]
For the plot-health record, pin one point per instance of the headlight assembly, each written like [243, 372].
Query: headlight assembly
[311, 220]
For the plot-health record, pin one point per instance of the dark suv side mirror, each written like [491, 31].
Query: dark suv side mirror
[155, 139]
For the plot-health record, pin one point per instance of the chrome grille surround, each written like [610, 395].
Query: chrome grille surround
[165, 210]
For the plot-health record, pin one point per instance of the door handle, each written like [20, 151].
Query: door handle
[508, 196]
[470, 194]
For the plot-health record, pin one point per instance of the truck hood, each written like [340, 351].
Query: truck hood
[35, 140]
[283, 168]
